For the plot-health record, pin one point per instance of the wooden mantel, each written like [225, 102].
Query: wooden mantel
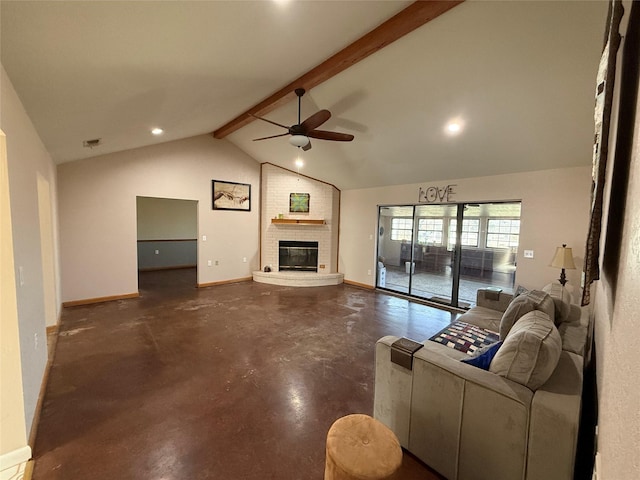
[298, 221]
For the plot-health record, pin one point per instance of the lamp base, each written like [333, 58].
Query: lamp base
[563, 278]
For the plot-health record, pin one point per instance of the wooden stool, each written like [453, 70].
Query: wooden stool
[361, 448]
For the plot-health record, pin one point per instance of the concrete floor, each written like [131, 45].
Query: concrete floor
[237, 381]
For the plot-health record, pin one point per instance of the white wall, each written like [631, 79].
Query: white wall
[616, 307]
[555, 207]
[28, 160]
[97, 199]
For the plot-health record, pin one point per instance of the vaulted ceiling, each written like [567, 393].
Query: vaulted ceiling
[517, 76]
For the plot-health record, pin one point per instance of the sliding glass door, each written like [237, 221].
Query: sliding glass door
[444, 253]
[432, 269]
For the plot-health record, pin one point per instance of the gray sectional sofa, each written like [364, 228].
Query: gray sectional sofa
[508, 422]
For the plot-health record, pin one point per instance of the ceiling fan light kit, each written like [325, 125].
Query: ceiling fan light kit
[302, 131]
[299, 140]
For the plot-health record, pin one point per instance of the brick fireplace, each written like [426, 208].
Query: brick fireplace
[278, 224]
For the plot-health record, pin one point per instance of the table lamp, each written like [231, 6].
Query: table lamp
[563, 259]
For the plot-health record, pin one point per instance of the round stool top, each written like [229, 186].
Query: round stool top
[363, 447]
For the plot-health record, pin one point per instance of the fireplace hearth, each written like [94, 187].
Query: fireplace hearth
[297, 256]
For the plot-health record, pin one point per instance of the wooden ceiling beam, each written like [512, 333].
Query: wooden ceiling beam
[412, 17]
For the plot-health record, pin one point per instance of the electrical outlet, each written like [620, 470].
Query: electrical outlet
[157, 252]
[208, 263]
[204, 238]
[244, 259]
[35, 341]
[369, 272]
[528, 254]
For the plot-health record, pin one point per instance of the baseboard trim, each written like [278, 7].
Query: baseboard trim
[225, 282]
[28, 470]
[52, 330]
[88, 301]
[358, 284]
[13, 464]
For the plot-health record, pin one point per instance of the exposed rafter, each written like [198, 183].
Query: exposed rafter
[412, 17]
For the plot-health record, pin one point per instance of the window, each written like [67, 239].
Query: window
[430, 231]
[401, 229]
[503, 233]
[470, 229]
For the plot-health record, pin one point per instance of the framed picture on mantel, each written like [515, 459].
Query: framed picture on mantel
[231, 195]
[299, 203]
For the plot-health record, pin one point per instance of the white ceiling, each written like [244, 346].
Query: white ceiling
[520, 76]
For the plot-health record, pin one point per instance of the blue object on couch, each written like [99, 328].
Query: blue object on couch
[483, 360]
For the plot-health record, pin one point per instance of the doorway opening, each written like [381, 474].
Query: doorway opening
[167, 243]
[445, 253]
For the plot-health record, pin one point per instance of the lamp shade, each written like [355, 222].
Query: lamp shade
[563, 258]
[299, 140]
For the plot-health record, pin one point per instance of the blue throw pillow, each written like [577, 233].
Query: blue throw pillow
[484, 359]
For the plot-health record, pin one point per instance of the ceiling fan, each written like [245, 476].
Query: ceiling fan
[302, 131]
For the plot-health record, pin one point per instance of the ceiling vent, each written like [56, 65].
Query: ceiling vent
[92, 143]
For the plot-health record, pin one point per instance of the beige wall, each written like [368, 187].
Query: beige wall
[97, 201]
[28, 163]
[13, 434]
[617, 321]
[166, 219]
[555, 207]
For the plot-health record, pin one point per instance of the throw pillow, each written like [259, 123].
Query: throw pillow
[523, 304]
[562, 300]
[544, 302]
[482, 358]
[531, 351]
[519, 306]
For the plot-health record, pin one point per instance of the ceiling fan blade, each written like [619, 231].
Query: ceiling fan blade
[315, 120]
[307, 146]
[269, 121]
[335, 136]
[272, 136]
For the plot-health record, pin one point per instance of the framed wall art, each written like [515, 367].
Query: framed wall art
[230, 195]
[299, 203]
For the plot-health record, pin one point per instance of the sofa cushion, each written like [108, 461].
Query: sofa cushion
[483, 357]
[523, 304]
[530, 352]
[562, 300]
[483, 317]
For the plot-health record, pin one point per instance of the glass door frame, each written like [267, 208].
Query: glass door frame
[456, 266]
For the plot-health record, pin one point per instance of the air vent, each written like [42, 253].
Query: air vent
[92, 143]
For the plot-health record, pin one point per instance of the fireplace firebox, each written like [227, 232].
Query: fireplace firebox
[298, 256]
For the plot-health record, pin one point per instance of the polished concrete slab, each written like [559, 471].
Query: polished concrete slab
[238, 381]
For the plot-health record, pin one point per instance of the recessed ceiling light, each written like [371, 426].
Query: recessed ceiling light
[453, 128]
[157, 131]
